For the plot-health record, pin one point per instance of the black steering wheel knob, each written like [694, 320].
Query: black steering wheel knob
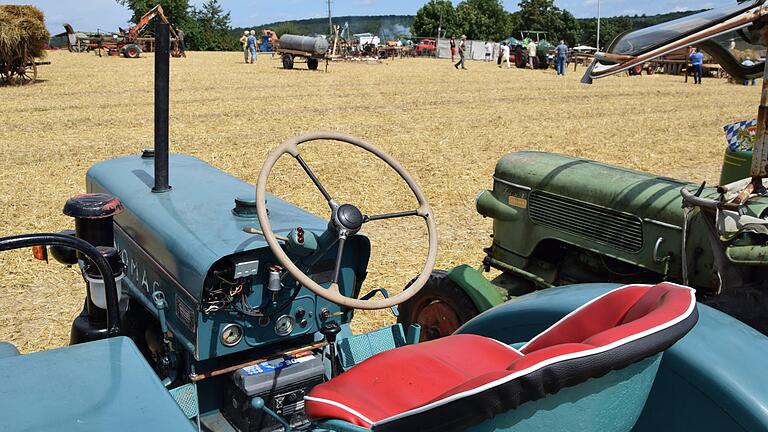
[350, 217]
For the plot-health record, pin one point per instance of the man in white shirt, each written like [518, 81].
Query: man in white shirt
[488, 51]
[532, 53]
[505, 54]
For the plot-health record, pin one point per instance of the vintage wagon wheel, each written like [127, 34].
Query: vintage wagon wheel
[26, 73]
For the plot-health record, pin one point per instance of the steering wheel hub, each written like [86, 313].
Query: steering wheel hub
[349, 217]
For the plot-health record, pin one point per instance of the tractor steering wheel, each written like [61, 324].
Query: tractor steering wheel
[346, 219]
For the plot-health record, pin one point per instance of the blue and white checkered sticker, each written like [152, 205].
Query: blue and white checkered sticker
[741, 135]
[265, 367]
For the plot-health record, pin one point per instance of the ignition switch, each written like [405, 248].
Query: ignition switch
[274, 285]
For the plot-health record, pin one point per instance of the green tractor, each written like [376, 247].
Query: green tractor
[559, 220]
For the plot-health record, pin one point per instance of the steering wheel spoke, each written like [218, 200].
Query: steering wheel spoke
[395, 215]
[315, 180]
[339, 257]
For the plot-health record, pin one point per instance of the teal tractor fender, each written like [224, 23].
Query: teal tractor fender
[482, 292]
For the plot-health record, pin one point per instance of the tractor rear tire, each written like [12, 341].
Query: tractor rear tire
[440, 308]
[287, 61]
[312, 63]
[131, 51]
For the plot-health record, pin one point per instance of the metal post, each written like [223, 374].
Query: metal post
[598, 26]
[162, 73]
[760, 148]
[330, 21]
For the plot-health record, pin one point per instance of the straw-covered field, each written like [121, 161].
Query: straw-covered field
[447, 127]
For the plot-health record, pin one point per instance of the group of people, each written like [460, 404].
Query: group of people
[248, 40]
[504, 52]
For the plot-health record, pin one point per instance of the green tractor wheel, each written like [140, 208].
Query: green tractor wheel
[440, 308]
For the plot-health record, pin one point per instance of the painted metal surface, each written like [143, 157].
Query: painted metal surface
[648, 203]
[192, 226]
[484, 294]
[711, 380]
[611, 403]
[96, 386]
[170, 241]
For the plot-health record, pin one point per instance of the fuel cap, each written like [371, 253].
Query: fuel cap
[245, 206]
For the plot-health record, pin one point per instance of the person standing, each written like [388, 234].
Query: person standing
[561, 57]
[252, 45]
[182, 46]
[748, 63]
[462, 47]
[697, 62]
[244, 43]
[488, 51]
[505, 54]
[532, 54]
[453, 49]
[500, 54]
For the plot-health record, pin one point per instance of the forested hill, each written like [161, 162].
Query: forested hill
[386, 26]
[391, 26]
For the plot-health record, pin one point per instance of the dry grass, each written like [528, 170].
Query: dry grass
[447, 127]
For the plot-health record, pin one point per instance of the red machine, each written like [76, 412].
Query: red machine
[126, 42]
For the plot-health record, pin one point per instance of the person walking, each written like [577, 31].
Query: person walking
[561, 57]
[244, 43]
[500, 54]
[488, 51]
[532, 54]
[697, 61]
[462, 47]
[505, 54]
[453, 49]
[252, 45]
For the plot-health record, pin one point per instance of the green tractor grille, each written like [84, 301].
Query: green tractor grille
[620, 230]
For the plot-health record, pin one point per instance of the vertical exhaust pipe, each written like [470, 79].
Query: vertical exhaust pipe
[162, 78]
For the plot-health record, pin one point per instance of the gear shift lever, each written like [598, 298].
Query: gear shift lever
[330, 330]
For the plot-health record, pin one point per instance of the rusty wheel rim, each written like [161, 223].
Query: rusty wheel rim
[437, 319]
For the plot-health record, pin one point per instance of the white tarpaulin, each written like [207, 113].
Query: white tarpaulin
[475, 50]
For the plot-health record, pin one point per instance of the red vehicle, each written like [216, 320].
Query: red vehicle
[426, 47]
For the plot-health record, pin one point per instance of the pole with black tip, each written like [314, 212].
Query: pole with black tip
[162, 78]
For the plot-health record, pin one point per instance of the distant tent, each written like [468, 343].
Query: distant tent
[513, 41]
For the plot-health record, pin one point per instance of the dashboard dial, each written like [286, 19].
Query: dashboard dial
[231, 335]
[284, 325]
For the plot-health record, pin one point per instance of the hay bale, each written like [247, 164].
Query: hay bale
[22, 30]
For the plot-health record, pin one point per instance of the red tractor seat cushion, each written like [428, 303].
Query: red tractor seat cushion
[460, 380]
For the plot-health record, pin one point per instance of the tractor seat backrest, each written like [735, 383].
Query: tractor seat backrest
[462, 380]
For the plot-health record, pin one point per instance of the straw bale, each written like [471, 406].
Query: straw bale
[447, 127]
[22, 30]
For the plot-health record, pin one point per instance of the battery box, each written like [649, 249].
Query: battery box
[282, 383]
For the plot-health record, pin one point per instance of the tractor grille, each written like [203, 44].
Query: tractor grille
[603, 225]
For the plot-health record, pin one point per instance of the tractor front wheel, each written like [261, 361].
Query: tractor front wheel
[440, 308]
[287, 61]
[131, 51]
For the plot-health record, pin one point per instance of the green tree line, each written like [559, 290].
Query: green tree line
[488, 20]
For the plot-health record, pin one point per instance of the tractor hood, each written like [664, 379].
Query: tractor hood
[729, 34]
[632, 192]
[193, 225]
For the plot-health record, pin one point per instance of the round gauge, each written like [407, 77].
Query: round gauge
[284, 325]
[231, 335]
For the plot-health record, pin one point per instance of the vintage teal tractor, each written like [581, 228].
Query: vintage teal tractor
[213, 305]
[559, 220]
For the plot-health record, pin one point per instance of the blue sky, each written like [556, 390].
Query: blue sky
[90, 15]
